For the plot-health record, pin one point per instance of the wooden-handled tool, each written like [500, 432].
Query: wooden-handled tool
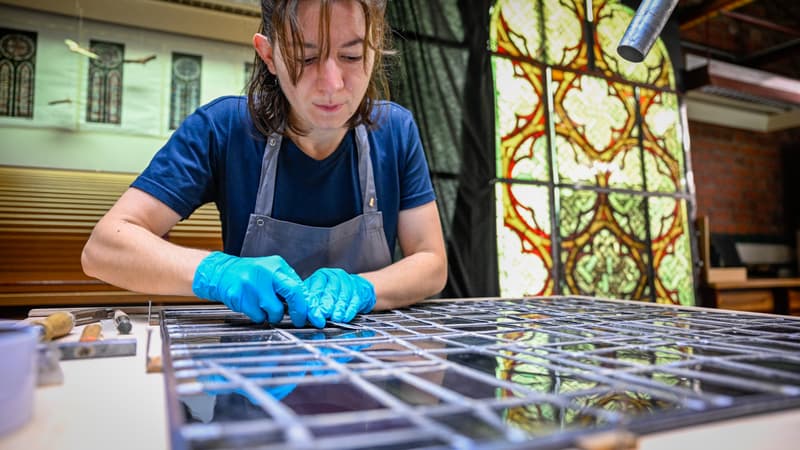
[55, 325]
[92, 332]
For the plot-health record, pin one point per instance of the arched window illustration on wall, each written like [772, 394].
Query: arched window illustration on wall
[592, 197]
[17, 72]
[104, 102]
[185, 92]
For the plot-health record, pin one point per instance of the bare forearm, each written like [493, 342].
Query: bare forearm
[129, 256]
[409, 280]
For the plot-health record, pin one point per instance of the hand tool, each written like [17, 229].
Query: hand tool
[122, 322]
[82, 316]
[55, 325]
[92, 332]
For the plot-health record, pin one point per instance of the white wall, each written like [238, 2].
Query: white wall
[59, 136]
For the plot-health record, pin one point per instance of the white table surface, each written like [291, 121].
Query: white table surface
[104, 403]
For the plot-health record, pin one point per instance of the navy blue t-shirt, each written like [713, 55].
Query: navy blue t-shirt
[216, 155]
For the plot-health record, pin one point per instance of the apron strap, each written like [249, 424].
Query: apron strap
[365, 176]
[269, 170]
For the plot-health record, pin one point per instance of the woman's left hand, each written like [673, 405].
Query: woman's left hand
[337, 295]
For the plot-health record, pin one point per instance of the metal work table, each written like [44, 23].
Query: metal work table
[539, 373]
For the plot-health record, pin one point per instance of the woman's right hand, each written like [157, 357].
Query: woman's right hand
[252, 286]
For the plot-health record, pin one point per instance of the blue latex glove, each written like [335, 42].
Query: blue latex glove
[337, 295]
[252, 285]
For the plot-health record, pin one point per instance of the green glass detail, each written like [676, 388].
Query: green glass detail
[627, 213]
[577, 211]
[664, 160]
[671, 249]
[612, 19]
[523, 240]
[605, 253]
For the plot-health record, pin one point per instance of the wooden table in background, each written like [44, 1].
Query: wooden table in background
[769, 295]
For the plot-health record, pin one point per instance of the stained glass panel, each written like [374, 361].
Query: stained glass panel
[671, 247]
[524, 239]
[662, 138]
[594, 142]
[104, 103]
[603, 244]
[596, 136]
[17, 72]
[521, 127]
[517, 29]
[185, 93]
[612, 19]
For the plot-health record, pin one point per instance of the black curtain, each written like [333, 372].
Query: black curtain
[442, 73]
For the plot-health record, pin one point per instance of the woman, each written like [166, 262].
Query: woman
[314, 179]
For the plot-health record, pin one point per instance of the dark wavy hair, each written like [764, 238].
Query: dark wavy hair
[268, 106]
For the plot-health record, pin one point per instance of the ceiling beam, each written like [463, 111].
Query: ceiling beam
[770, 54]
[761, 23]
[709, 12]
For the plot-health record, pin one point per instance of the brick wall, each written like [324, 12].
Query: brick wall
[739, 178]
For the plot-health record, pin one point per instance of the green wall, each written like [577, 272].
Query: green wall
[58, 136]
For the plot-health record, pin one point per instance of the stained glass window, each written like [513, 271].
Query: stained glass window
[185, 98]
[17, 72]
[104, 102]
[592, 197]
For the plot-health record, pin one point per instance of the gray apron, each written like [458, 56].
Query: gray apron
[356, 245]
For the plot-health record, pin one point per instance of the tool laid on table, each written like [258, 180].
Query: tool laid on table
[122, 322]
[55, 325]
[82, 315]
[92, 332]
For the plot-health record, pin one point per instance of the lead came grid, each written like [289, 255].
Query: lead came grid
[522, 373]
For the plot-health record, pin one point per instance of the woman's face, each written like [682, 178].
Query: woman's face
[330, 88]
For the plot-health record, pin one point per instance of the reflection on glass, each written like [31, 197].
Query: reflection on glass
[629, 403]
[222, 407]
[326, 398]
[361, 426]
[406, 392]
[542, 418]
[330, 333]
[697, 385]
[467, 424]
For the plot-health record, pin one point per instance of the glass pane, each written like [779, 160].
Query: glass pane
[672, 256]
[517, 28]
[663, 147]
[603, 247]
[596, 133]
[519, 104]
[523, 239]
[612, 19]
